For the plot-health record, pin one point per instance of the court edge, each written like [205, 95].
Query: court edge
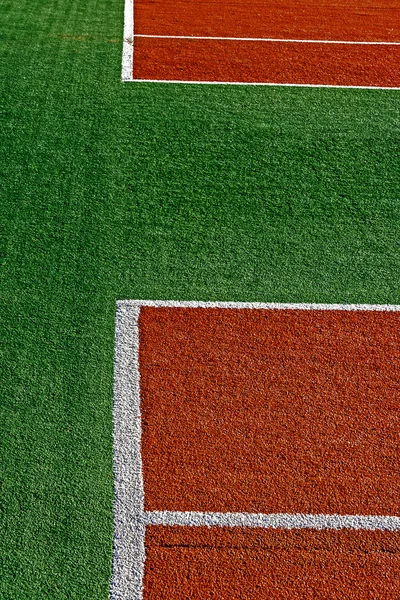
[256, 305]
[129, 530]
[127, 46]
[268, 84]
[130, 518]
[128, 52]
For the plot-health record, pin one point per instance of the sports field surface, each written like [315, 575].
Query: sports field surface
[256, 450]
[345, 43]
[218, 264]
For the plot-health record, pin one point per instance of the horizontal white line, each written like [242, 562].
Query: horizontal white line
[274, 521]
[258, 305]
[270, 84]
[240, 39]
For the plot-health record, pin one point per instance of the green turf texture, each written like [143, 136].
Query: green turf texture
[112, 190]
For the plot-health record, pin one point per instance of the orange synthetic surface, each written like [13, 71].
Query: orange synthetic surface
[260, 62]
[353, 20]
[198, 563]
[270, 411]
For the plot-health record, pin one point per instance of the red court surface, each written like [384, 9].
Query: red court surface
[256, 452]
[232, 564]
[297, 53]
[270, 411]
[353, 20]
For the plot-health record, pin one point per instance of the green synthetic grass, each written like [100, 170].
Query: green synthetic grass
[113, 190]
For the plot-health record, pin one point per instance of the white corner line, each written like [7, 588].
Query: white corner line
[262, 84]
[278, 40]
[129, 529]
[127, 48]
[256, 305]
[130, 519]
[273, 521]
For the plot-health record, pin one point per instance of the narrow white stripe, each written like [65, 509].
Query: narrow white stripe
[127, 48]
[281, 520]
[240, 39]
[270, 84]
[256, 305]
[129, 529]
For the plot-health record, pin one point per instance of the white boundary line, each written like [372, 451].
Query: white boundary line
[130, 519]
[278, 40]
[127, 48]
[256, 305]
[273, 521]
[268, 84]
[129, 529]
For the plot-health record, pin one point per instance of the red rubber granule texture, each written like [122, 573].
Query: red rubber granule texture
[198, 563]
[293, 411]
[352, 20]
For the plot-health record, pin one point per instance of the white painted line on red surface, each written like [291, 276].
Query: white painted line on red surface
[130, 519]
[279, 40]
[272, 521]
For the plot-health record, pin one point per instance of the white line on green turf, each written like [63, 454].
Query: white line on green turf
[257, 305]
[127, 48]
[268, 84]
[129, 529]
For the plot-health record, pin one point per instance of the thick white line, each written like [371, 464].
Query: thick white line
[256, 305]
[127, 48]
[129, 528]
[240, 39]
[274, 521]
[130, 519]
[269, 84]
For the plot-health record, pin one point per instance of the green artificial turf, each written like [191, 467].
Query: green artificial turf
[112, 190]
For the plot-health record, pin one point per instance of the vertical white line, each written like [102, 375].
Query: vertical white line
[127, 49]
[129, 526]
